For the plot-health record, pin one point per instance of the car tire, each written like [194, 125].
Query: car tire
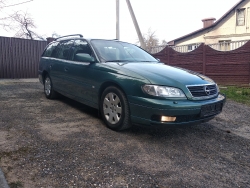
[114, 109]
[49, 91]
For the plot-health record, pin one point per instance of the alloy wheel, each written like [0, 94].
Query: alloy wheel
[47, 86]
[112, 108]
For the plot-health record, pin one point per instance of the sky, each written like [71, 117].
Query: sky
[97, 18]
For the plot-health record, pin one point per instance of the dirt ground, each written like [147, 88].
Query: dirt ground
[62, 143]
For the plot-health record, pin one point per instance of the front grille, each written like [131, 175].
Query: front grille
[203, 91]
[187, 118]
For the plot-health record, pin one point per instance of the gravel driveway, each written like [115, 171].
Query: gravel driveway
[62, 143]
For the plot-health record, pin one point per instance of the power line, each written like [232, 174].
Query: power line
[16, 4]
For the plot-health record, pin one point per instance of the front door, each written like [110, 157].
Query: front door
[79, 74]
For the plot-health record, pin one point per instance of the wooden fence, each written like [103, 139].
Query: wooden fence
[225, 67]
[19, 58]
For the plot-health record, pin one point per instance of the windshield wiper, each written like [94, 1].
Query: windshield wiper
[148, 61]
[118, 61]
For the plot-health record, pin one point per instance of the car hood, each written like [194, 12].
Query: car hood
[161, 74]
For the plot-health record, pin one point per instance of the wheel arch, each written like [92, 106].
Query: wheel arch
[44, 74]
[107, 84]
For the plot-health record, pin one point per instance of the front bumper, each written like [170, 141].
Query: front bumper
[144, 111]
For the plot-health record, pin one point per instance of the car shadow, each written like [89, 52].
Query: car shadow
[79, 106]
[135, 130]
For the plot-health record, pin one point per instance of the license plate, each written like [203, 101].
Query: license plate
[211, 109]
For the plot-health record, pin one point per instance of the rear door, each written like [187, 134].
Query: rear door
[46, 61]
[59, 66]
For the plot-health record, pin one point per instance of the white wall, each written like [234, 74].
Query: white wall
[226, 30]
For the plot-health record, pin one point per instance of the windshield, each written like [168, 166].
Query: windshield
[116, 51]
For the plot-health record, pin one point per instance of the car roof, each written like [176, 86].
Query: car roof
[73, 36]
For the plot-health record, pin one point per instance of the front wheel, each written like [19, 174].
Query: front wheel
[48, 88]
[114, 109]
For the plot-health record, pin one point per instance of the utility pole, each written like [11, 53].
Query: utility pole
[136, 25]
[117, 20]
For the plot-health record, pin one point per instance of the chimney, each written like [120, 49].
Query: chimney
[208, 22]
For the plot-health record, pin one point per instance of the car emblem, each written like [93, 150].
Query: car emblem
[207, 91]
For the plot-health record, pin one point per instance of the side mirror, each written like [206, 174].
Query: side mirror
[83, 57]
[158, 59]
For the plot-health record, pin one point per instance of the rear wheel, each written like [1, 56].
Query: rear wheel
[48, 88]
[114, 109]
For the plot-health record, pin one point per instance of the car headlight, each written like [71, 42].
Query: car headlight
[163, 91]
[218, 89]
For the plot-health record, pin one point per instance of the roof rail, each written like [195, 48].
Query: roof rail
[69, 36]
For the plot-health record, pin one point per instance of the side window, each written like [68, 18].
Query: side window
[49, 49]
[63, 50]
[81, 46]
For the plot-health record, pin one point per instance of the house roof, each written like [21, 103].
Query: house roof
[207, 28]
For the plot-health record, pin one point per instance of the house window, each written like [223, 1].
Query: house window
[224, 45]
[192, 47]
[240, 16]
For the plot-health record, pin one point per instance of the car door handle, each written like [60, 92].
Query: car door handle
[66, 69]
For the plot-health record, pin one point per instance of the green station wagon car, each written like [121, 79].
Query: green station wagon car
[126, 84]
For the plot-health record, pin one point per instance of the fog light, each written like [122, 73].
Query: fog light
[167, 118]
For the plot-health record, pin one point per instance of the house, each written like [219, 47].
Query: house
[229, 32]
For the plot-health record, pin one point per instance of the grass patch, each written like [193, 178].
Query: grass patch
[17, 184]
[238, 94]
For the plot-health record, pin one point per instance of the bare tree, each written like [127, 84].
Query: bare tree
[24, 26]
[150, 40]
[164, 43]
[20, 22]
[2, 3]
[4, 20]
[55, 35]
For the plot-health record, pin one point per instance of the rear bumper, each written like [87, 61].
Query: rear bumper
[146, 111]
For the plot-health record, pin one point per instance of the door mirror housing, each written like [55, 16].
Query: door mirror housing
[83, 57]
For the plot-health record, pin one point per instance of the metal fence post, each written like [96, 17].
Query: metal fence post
[204, 60]
[168, 48]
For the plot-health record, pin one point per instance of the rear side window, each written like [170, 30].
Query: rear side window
[50, 49]
[63, 50]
